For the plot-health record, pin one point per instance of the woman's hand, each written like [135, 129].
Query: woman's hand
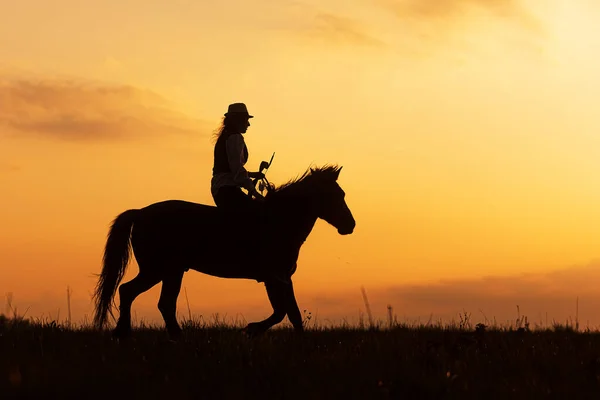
[257, 175]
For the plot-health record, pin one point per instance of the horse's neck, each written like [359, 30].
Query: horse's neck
[293, 221]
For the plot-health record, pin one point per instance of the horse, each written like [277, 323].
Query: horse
[171, 237]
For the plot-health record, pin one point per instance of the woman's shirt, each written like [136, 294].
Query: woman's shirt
[230, 158]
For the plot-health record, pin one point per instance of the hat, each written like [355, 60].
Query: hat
[238, 108]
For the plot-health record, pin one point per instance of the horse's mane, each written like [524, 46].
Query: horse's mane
[326, 171]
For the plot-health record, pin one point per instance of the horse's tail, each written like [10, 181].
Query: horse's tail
[115, 260]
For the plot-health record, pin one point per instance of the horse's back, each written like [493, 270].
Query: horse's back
[180, 205]
[195, 216]
[177, 213]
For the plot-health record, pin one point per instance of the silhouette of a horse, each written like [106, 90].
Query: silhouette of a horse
[170, 237]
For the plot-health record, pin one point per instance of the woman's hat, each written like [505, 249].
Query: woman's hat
[238, 109]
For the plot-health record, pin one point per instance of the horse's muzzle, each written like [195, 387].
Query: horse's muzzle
[346, 230]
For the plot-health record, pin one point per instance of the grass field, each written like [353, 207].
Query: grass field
[216, 361]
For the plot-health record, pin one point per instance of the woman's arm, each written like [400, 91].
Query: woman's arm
[235, 155]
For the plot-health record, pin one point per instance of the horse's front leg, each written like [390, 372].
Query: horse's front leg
[283, 301]
[293, 311]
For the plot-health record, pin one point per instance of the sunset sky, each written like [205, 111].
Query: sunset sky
[467, 131]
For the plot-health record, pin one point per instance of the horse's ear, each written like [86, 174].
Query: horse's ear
[337, 173]
[312, 170]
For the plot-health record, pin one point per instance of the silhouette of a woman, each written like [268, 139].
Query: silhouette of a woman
[230, 156]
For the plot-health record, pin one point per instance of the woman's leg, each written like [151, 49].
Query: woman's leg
[232, 197]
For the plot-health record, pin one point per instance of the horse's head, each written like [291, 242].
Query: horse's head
[318, 189]
[328, 199]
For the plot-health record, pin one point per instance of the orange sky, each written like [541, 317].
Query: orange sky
[467, 130]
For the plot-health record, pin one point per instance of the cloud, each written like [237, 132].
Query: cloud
[421, 28]
[79, 111]
[447, 13]
[437, 8]
[500, 29]
[341, 30]
[553, 295]
[311, 23]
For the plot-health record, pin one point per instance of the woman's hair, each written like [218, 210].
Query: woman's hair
[226, 122]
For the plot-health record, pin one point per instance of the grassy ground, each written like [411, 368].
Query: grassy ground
[44, 360]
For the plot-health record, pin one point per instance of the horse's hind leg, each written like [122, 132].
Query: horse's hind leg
[167, 304]
[127, 294]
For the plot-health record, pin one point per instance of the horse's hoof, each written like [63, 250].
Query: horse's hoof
[175, 335]
[121, 333]
[253, 330]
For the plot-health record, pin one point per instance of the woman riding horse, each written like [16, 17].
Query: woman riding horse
[230, 156]
[171, 237]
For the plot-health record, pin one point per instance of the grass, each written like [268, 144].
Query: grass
[214, 360]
